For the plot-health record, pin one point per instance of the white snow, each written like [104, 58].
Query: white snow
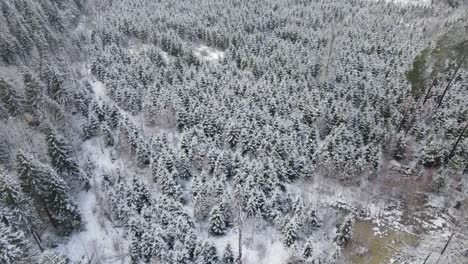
[207, 53]
[99, 241]
[99, 90]
[262, 248]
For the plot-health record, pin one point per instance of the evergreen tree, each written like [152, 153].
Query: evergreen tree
[228, 256]
[52, 257]
[82, 102]
[217, 224]
[205, 253]
[57, 90]
[139, 198]
[312, 220]
[108, 136]
[308, 250]
[438, 183]
[399, 151]
[48, 190]
[290, 233]
[344, 232]
[60, 153]
[90, 127]
[11, 99]
[143, 154]
[33, 90]
[12, 199]
[14, 247]
[181, 254]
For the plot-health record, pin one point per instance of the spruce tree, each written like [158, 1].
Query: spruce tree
[344, 232]
[108, 136]
[48, 190]
[399, 151]
[52, 257]
[90, 127]
[228, 256]
[217, 224]
[308, 250]
[33, 90]
[11, 99]
[205, 253]
[60, 153]
[14, 247]
[14, 200]
[290, 233]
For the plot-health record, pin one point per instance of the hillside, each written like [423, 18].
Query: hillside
[298, 131]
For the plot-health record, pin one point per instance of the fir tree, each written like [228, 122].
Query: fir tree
[308, 250]
[217, 224]
[344, 232]
[60, 153]
[14, 247]
[48, 190]
[438, 183]
[290, 233]
[205, 253]
[90, 127]
[228, 256]
[140, 197]
[11, 99]
[12, 198]
[108, 136]
[33, 89]
[399, 151]
[52, 257]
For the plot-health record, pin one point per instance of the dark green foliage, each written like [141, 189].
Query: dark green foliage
[344, 232]
[400, 148]
[61, 153]
[139, 198]
[290, 232]
[438, 183]
[205, 253]
[417, 75]
[14, 247]
[108, 136]
[4, 153]
[33, 90]
[90, 127]
[11, 99]
[217, 224]
[308, 250]
[228, 256]
[49, 191]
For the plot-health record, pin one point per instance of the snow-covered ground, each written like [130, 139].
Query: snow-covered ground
[207, 53]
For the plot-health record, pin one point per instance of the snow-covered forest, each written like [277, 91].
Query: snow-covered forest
[228, 131]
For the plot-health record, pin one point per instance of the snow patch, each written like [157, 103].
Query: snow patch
[207, 53]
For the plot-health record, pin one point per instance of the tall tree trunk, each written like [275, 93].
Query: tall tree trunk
[414, 115]
[37, 239]
[428, 93]
[452, 152]
[239, 225]
[49, 215]
[451, 80]
[405, 113]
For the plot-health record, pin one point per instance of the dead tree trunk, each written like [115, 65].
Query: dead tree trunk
[37, 239]
[405, 114]
[414, 115]
[239, 225]
[452, 152]
[428, 93]
[449, 84]
[427, 258]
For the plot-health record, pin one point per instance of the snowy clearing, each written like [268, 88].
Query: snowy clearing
[207, 53]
